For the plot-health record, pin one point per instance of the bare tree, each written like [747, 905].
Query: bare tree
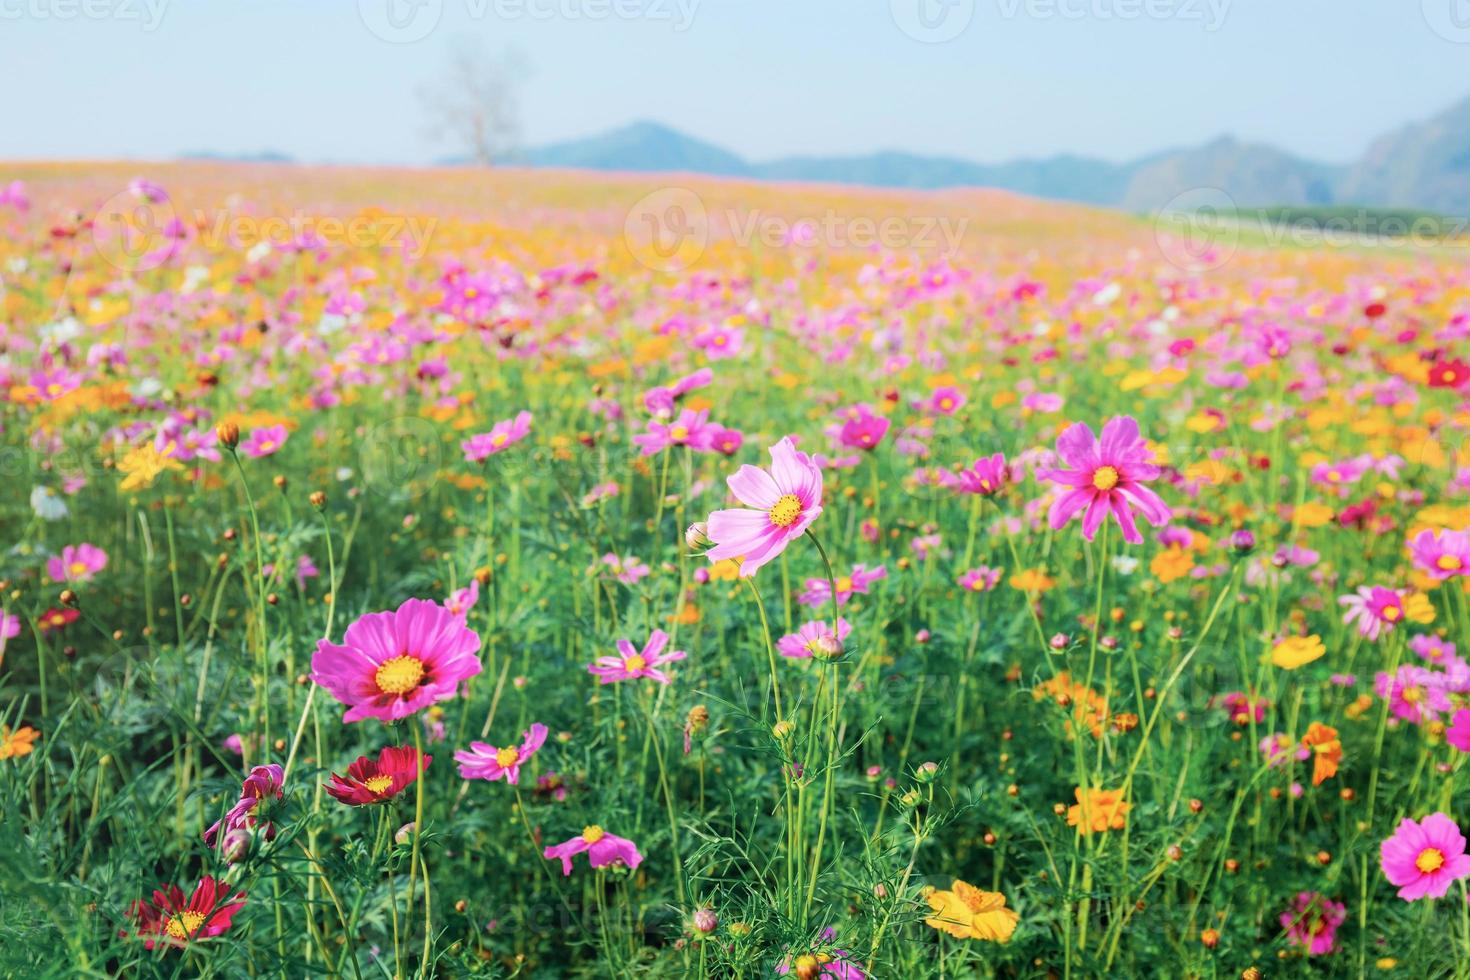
[475, 105]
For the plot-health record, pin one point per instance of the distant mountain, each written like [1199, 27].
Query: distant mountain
[1424, 166]
[643, 146]
[1250, 173]
[265, 156]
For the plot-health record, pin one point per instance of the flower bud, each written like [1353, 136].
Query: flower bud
[705, 921]
[404, 835]
[236, 845]
[228, 434]
[697, 536]
[1210, 937]
[926, 772]
[318, 499]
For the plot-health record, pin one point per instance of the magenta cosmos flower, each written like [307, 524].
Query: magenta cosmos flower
[691, 428]
[391, 664]
[76, 563]
[863, 431]
[482, 761]
[262, 785]
[1312, 922]
[987, 477]
[1425, 858]
[603, 849]
[819, 590]
[1458, 732]
[631, 664]
[502, 435]
[810, 638]
[1106, 474]
[1441, 554]
[981, 579]
[782, 505]
[1374, 608]
[265, 442]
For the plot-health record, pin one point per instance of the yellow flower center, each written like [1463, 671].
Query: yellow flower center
[786, 511]
[844, 584]
[399, 675]
[635, 663]
[378, 784]
[185, 924]
[1413, 695]
[1449, 563]
[809, 967]
[499, 439]
[267, 445]
[1105, 478]
[593, 833]
[679, 433]
[507, 757]
[1392, 613]
[1430, 860]
[78, 569]
[471, 293]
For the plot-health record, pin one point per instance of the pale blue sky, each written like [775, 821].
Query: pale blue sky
[1110, 78]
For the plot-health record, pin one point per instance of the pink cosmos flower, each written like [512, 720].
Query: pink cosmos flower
[1374, 608]
[391, 664]
[1106, 474]
[865, 431]
[819, 590]
[809, 638]
[461, 601]
[265, 442]
[1425, 858]
[783, 502]
[502, 435]
[1441, 554]
[9, 629]
[603, 849]
[628, 569]
[660, 401]
[1312, 922]
[77, 563]
[263, 784]
[726, 442]
[981, 579]
[1458, 732]
[987, 477]
[1414, 693]
[691, 428]
[482, 761]
[946, 400]
[631, 664]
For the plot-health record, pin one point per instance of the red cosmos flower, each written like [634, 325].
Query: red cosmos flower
[168, 919]
[368, 781]
[1451, 373]
[55, 619]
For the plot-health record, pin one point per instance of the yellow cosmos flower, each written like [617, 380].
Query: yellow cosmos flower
[1170, 564]
[144, 464]
[1032, 580]
[1295, 651]
[966, 912]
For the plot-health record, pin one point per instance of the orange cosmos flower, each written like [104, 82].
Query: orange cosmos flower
[1098, 810]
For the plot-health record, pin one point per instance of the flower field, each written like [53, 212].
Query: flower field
[530, 574]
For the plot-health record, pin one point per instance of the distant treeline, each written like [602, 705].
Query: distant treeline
[1366, 221]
